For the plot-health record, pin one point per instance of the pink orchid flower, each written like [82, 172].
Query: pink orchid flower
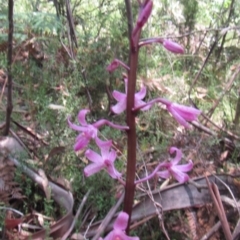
[115, 64]
[89, 131]
[103, 161]
[175, 170]
[181, 113]
[122, 99]
[118, 229]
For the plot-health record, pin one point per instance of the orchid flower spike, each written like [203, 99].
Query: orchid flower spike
[103, 161]
[175, 170]
[89, 131]
[122, 99]
[115, 64]
[118, 229]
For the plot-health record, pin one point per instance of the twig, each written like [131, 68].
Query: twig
[231, 193]
[9, 67]
[89, 225]
[3, 89]
[76, 216]
[215, 227]
[226, 90]
[20, 142]
[158, 208]
[200, 71]
[12, 209]
[236, 231]
[214, 192]
[227, 23]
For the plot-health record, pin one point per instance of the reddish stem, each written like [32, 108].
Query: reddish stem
[131, 133]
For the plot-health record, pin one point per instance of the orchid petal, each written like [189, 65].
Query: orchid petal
[141, 94]
[81, 142]
[185, 167]
[122, 100]
[178, 175]
[163, 174]
[178, 117]
[93, 156]
[112, 155]
[121, 221]
[82, 117]
[180, 112]
[92, 169]
[119, 96]
[103, 161]
[188, 113]
[119, 107]
[178, 156]
[76, 127]
[105, 152]
[112, 170]
[119, 226]
[102, 143]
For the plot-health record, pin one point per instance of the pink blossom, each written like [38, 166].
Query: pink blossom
[181, 113]
[89, 131]
[175, 170]
[115, 64]
[118, 229]
[103, 161]
[122, 99]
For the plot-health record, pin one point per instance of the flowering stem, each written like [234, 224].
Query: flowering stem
[131, 133]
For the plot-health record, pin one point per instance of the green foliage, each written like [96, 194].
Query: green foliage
[190, 9]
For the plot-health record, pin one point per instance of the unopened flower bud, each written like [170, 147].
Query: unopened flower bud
[144, 14]
[173, 47]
